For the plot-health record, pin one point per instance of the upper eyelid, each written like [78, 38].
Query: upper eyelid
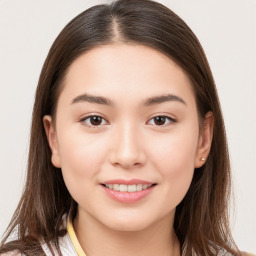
[164, 115]
[91, 115]
[99, 115]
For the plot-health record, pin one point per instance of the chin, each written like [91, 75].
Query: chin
[129, 223]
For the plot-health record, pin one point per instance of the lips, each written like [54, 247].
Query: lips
[128, 188]
[127, 191]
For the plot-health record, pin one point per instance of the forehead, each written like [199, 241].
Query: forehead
[121, 70]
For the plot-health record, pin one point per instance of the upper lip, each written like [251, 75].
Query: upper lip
[128, 182]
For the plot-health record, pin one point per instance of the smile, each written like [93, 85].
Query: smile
[131, 192]
[128, 188]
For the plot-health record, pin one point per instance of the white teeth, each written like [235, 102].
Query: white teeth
[128, 188]
[132, 188]
[123, 188]
[144, 186]
[139, 187]
[116, 187]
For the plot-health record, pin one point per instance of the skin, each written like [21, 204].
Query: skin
[128, 143]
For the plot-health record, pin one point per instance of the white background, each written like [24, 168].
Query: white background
[227, 31]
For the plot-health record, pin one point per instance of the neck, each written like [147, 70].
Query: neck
[97, 239]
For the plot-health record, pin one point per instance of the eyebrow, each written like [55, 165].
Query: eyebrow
[92, 99]
[163, 98]
[148, 102]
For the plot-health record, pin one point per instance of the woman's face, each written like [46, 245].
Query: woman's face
[126, 120]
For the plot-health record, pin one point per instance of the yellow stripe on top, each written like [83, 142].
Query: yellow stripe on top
[73, 238]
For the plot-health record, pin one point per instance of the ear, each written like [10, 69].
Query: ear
[205, 140]
[52, 140]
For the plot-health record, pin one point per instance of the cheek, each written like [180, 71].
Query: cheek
[174, 158]
[176, 150]
[81, 159]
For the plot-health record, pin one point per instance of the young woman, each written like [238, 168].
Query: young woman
[128, 153]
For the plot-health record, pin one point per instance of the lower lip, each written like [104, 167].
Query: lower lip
[127, 197]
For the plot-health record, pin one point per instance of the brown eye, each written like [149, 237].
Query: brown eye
[94, 121]
[161, 120]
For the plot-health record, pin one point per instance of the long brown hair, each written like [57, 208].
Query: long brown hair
[201, 220]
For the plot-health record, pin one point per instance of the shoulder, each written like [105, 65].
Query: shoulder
[65, 245]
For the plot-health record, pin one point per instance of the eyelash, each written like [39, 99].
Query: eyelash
[170, 120]
[83, 120]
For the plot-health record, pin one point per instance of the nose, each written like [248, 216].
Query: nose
[127, 148]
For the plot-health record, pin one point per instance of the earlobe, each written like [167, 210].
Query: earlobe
[52, 140]
[205, 140]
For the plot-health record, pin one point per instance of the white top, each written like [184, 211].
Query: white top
[69, 245]
[66, 247]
